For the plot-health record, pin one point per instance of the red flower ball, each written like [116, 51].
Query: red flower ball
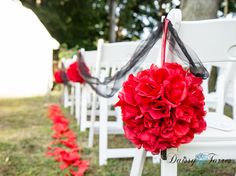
[73, 73]
[162, 107]
[58, 76]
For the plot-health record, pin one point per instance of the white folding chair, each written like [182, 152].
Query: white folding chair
[213, 41]
[84, 93]
[111, 56]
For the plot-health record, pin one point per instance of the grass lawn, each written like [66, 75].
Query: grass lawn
[25, 132]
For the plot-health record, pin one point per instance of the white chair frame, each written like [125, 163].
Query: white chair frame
[201, 35]
[83, 109]
[111, 57]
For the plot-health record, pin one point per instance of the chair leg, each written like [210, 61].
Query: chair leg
[77, 102]
[138, 162]
[66, 96]
[92, 121]
[72, 105]
[119, 117]
[103, 131]
[234, 99]
[167, 168]
[83, 110]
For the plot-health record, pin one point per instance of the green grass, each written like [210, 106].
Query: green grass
[25, 132]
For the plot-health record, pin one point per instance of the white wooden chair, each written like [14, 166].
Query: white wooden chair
[89, 103]
[86, 105]
[213, 41]
[84, 93]
[111, 56]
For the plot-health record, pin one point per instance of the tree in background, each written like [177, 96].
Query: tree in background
[112, 18]
[137, 17]
[81, 23]
[199, 9]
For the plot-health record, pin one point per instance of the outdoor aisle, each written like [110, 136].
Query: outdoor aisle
[25, 132]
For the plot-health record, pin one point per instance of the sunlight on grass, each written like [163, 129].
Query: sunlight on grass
[25, 132]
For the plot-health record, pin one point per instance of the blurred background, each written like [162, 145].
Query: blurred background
[37, 34]
[80, 23]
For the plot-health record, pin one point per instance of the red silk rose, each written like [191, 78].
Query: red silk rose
[58, 76]
[73, 73]
[162, 107]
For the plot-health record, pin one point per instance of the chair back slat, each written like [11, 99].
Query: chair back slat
[213, 40]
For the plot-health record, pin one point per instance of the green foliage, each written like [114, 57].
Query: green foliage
[231, 6]
[73, 22]
[24, 137]
[66, 53]
[136, 15]
[81, 23]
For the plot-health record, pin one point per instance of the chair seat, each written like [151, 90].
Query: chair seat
[219, 128]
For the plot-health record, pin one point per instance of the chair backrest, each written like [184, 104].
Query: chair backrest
[90, 57]
[213, 40]
[112, 56]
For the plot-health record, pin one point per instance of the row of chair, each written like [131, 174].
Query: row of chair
[215, 43]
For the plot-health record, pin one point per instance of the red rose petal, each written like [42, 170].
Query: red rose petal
[181, 128]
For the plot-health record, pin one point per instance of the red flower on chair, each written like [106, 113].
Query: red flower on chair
[58, 76]
[73, 73]
[162, 107]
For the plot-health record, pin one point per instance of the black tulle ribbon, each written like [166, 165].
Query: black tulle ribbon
[108, 86]
[63, 74]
